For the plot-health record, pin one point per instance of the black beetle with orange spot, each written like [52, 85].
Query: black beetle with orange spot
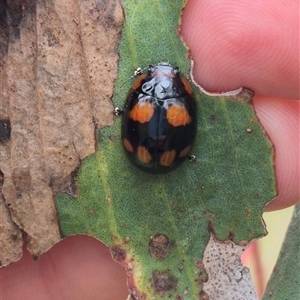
[159, 119]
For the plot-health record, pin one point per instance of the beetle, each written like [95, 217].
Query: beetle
[159, 119]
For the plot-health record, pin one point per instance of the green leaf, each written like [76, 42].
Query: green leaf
[285, 279]
[157, 226]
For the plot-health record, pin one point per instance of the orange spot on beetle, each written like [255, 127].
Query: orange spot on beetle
[143, 155]
[177, 115]
[187, 85]
[167, 158]
[185, 151]
[138, 81]
[127, 145]
[142, 112]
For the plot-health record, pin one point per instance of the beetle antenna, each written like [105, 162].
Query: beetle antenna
[138, 71]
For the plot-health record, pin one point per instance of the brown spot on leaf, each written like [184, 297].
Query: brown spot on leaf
[202, 276]
[163, 281]
[127, 239]
[14, 237]
[204, 296]
[73, 182]
[181, 267]
[158, 246]
[1, 179]
[248, 213]
[5, 130]
[118, 253]
[199, 264]
[211, 228]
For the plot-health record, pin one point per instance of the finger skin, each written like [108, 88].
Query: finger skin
[253, 44]
[280, 118]
[79, 267]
